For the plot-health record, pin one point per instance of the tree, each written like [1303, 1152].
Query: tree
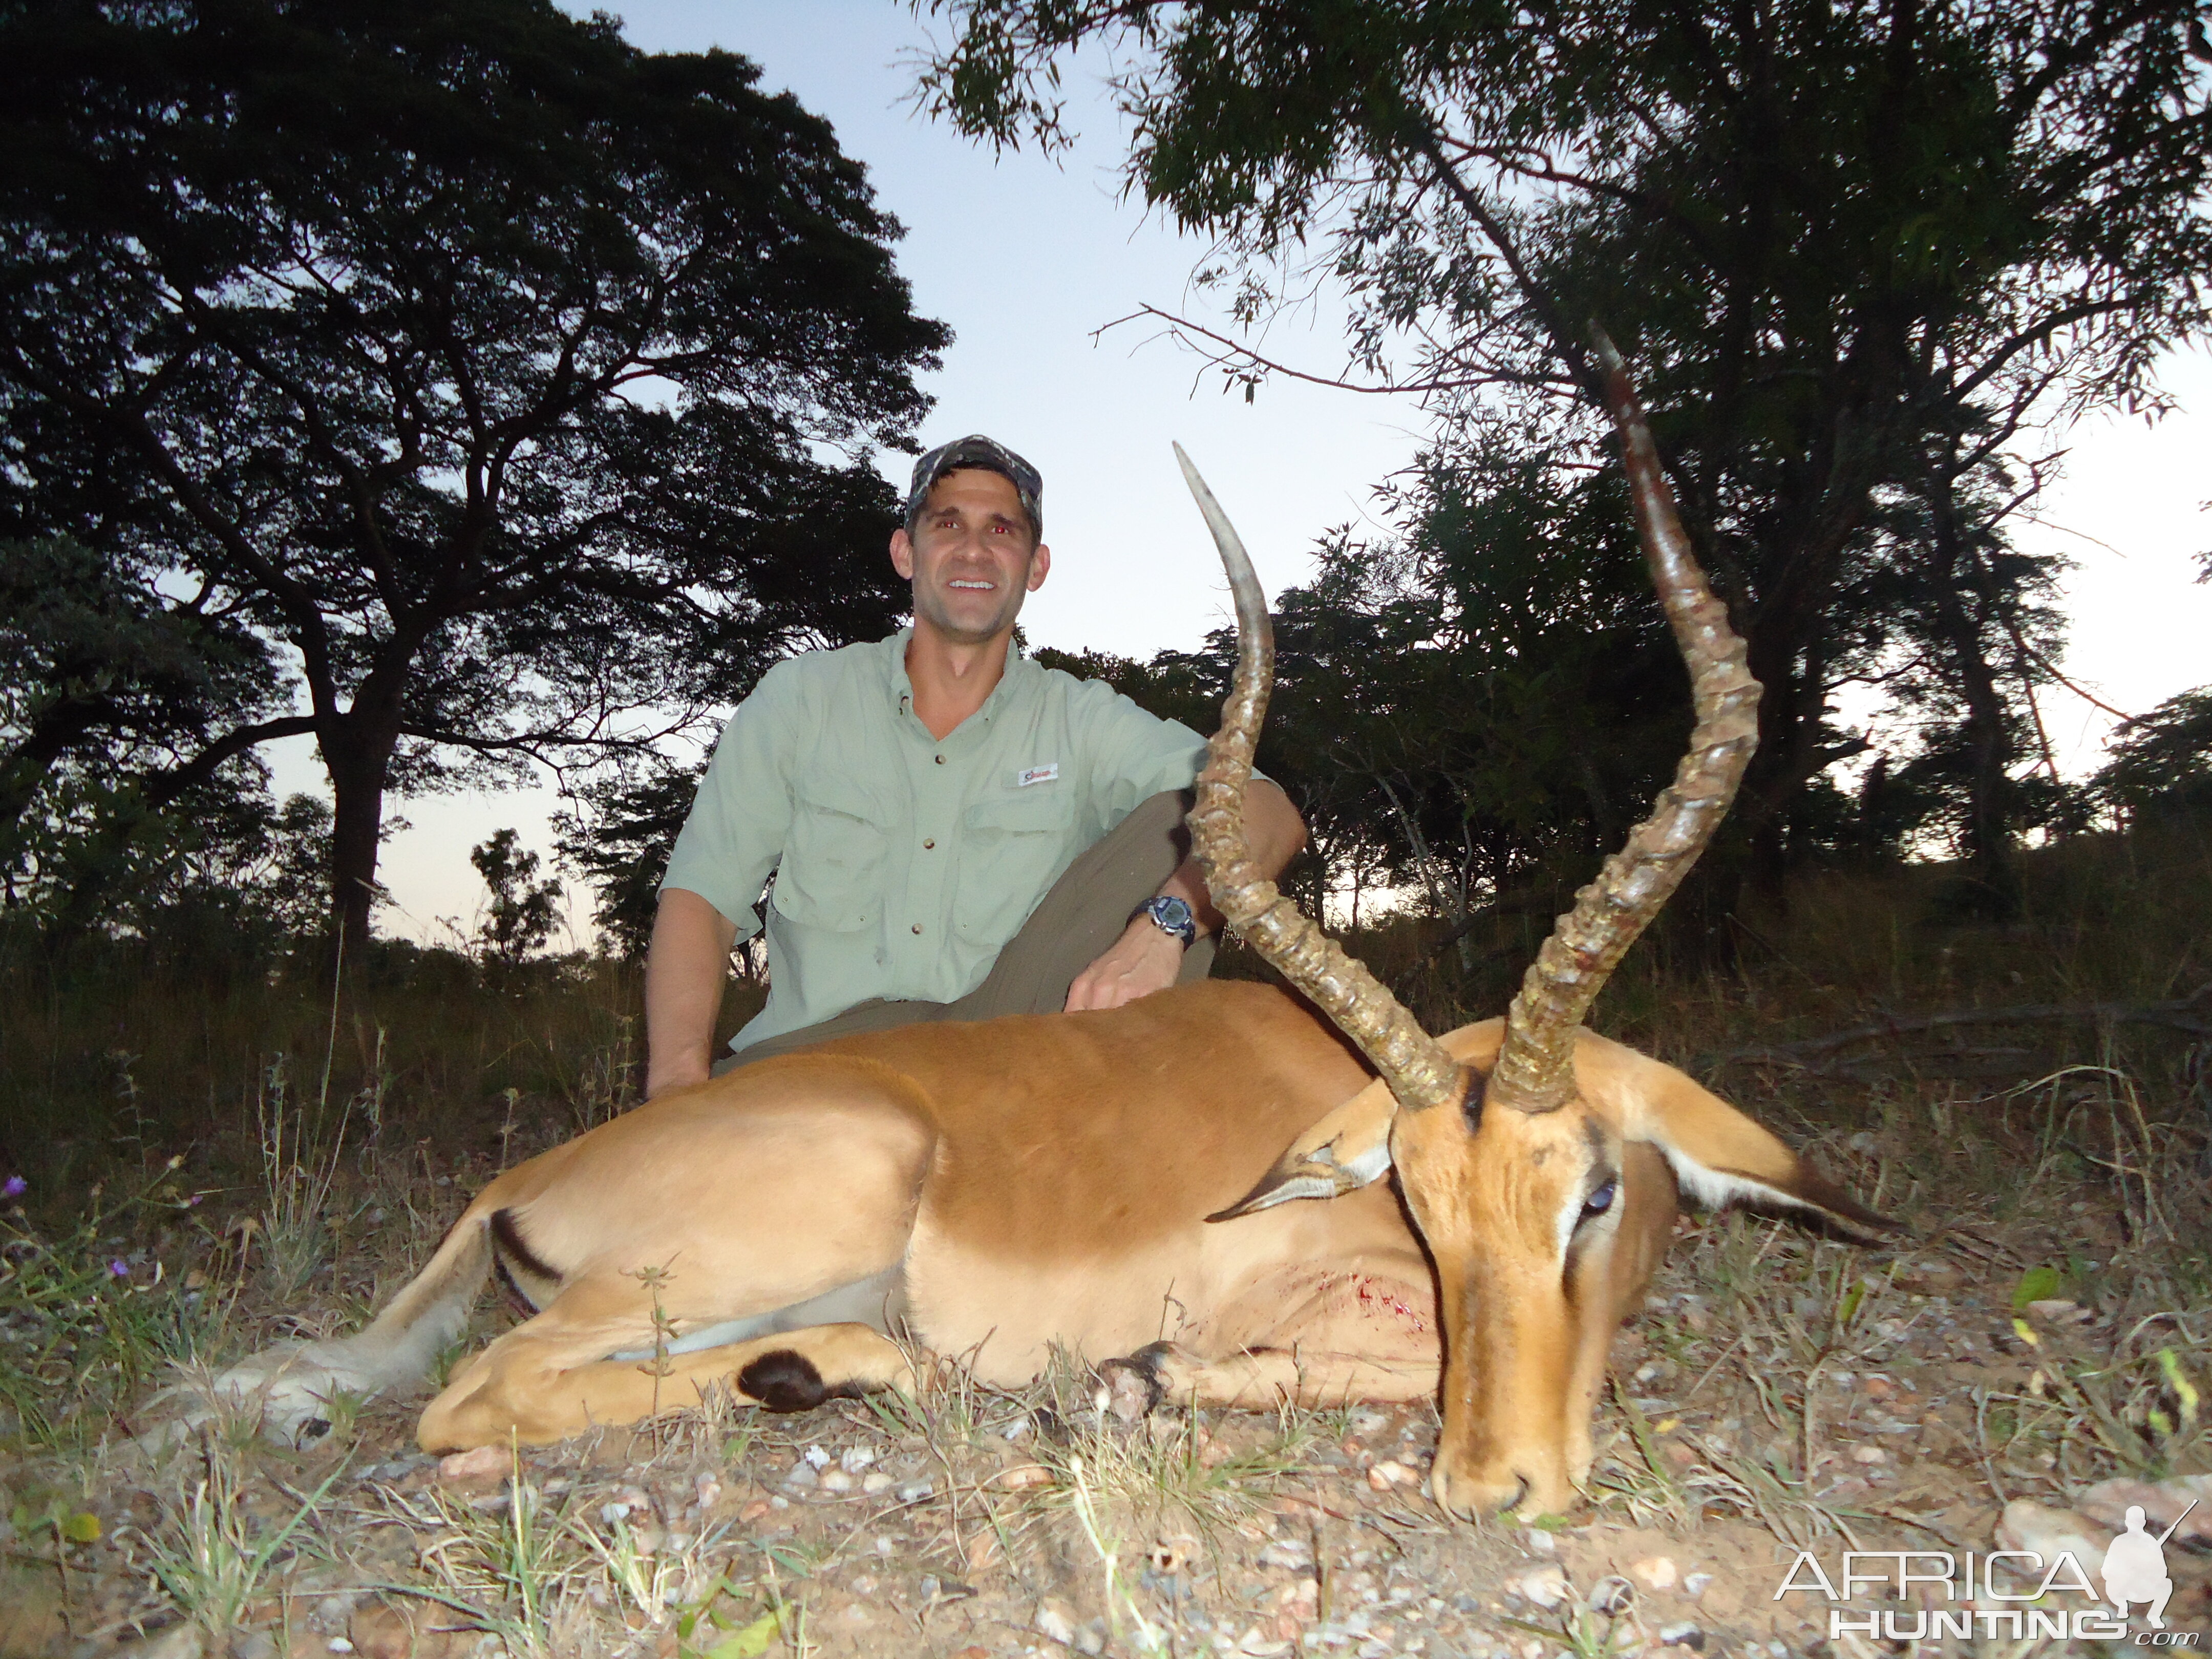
[506, 380]
[1823, 232]
[524, 911]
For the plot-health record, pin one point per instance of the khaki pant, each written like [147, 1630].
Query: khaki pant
[1085, 912]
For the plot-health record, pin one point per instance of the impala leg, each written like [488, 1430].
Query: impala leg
[1312, 1336]
[550, 1377]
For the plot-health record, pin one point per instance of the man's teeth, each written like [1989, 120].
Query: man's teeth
[980, 587]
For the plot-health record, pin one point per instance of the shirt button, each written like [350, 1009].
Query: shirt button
[940, 760]
[917, 927]
[928, 845]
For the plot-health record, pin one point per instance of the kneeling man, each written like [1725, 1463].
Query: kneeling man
[955, 833]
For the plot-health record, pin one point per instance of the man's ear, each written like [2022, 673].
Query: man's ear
[1719, 1156]
[1345, 1150]
[903, 553]
[1040, 565]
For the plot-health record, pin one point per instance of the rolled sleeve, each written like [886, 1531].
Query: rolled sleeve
[740, 822]
[1133, 754]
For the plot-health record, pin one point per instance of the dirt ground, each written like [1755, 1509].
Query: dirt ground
[2042, 1328]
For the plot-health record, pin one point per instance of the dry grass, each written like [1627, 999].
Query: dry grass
[1782, 1391]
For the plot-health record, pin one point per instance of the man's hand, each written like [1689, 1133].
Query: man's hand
[1144, 959]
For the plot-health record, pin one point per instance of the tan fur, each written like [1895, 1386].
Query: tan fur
[1042, 1181]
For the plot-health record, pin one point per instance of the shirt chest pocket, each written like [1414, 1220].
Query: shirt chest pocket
[1017, 845]
[832, 873]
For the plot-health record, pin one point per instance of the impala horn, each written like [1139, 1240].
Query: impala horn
[1419, 1071]
[1535, 1069]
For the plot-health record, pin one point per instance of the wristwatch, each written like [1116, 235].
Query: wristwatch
[1170, 915]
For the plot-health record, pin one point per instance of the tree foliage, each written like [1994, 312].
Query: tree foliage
[502, 380]
[1852, 251]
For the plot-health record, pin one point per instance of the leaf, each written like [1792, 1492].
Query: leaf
[2037, 1284]
[750, 1642]
[82, 1527]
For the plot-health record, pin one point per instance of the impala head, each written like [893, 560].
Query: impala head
[1540, 1162]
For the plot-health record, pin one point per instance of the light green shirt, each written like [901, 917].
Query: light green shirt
[903, 864]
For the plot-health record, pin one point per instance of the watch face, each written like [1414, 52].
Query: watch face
[1172, 916]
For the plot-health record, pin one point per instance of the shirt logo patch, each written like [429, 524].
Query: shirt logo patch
[1046, 773]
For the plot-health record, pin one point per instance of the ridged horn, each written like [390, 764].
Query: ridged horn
[1419, 1071]
[1534, 1070]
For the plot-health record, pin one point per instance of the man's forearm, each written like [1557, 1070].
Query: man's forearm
[685, 969]
[1275, 833]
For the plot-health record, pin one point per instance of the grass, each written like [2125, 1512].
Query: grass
[259, 1162]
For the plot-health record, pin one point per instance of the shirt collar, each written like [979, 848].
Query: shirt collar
[1012, 678]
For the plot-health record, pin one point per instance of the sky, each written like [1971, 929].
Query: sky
[1028, 259]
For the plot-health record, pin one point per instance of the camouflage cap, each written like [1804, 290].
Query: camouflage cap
[991, 456]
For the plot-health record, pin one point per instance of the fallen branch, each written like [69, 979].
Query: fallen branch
[2181, 1014]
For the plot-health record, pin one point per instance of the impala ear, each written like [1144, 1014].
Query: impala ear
[1719, 1156]
[1345, 1150]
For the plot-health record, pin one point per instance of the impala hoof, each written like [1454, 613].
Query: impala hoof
[1135, 1387]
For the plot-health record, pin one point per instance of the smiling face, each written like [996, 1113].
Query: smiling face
[972, 558]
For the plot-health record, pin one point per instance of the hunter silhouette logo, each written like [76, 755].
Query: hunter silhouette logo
[2135, 1566]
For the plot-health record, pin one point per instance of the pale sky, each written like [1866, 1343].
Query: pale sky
[1026, 258]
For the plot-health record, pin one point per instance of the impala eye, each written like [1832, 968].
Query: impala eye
[1601, 1200]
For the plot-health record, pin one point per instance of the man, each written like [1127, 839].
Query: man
[956, 832]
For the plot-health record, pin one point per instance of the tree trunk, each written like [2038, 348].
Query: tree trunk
[1987, 835]
[357, 754]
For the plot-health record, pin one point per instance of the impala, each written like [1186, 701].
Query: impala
[1188, 1191]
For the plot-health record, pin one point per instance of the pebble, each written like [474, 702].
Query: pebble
[816, 1458]
[913, 1492]
[1612, 1596]
[1053, 1623]
[874, 1481]
[1681, 1636]
[856, 1460]
[1022, 1477]
[480, 1463]
[1654, 1572]
[1390, 1473]
[1546, 1586]
[707, 1490]
[836, 1480]
[802, 1475]
[1294, 1553]
[1869, 1455]
[1539, 1541]
[1696, 1584]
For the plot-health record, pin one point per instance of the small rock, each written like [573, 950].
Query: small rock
[1390, 1473]
[981, 1552]
[1022, 1477]
[707, 1490]
[1539, 1542]
[913, 1492]
[254, 1644]
[754, 1511]
[835, 1480]
[816, 1458]
[1545, 1586]
[1612, 1596]
[2027, 1525]
[857, 1460]
[1294, 1553]
[1091, 1638]
[802, 1475]
[1301, 1599]
[1869, 1455]
[2163, 1503]
[1654, 1572]
[1696, 1584]
[1015, 1430]
[1877, 1387]
[1054, 1624]
[1682, 1636]
[479, 1463]
[2058, 1310]
[339, 1645]
[874, 1481]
